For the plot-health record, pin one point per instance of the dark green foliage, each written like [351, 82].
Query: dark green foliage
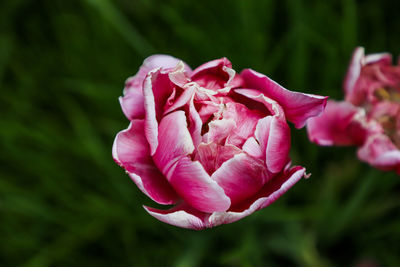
[64, 202]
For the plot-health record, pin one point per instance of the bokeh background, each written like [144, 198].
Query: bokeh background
[63, 200]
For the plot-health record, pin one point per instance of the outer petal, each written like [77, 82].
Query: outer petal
[197, 188]
[379, 151]
[298, 107]
[132, 102]
[241, 177]
[182, 216]
[131, 151]
[174, 141]
[358, 61]
[157, 88]
[267, 195]
[340, 124]
[278, 146]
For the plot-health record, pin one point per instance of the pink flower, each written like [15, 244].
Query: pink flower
[211, 142]
[370, 115]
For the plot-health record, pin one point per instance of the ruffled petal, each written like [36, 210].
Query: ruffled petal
[340, 124]
[358, 61]
[241, 177]
[132, 102]
[195, 186]
[212, 155]
[131, 151]
[214, 74]
[270, 192]
[298, 107]
[157, 88]
[174, 141]
[380, 152]
[181, 216]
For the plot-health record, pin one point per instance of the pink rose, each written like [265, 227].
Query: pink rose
[370, 115]
[212, 142]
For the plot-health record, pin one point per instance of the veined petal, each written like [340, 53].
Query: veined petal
[174, 141]
[181, 216]
[241, 177]
[340, 124]
[132, 105]
[215, 74]
[379, 151]
[132, 102]
[298, 106]
[195, 186]
[157, 88]
[270, 192]
[131, 151]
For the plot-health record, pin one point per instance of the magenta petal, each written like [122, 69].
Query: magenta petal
[379, 151]
[131, 151]
[241, 177]
[273, 135]
[354, 70]
[298, 107]
[271, 191]
[132, 105]
[253, 148]
[214, 75]
[358, 61]
[340, 124]
[278, 146]
[157, 88]
[132, 102]
[181, 216]
[174, 141]
[212, 155]
[197, 188]
[195, 124]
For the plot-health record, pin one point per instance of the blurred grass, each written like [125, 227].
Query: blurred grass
[64, 202]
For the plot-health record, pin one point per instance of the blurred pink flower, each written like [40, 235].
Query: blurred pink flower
[369, 117]
[212, 142]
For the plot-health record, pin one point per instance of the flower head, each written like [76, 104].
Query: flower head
[370, 115]
[211, 142]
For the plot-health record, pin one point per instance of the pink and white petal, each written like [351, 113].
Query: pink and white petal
[340, 124]
[174, 141]
[195, 186]
[270, 192]
[181, 216]
[298, 106]
[219, 130]
[379, 151]
[214, 74]
[182, 100]
[273, 135]
[245, 119]
[354, 70]
[132, 105]
[273, 107]
[195, 123]
[157, 88]
[241, 177]
[381, 58]
[212, 155]
[262, 132]
[212, 65]
[135, 83]
[131, 151]
[253, 148]
[278, 145]
[180, 76]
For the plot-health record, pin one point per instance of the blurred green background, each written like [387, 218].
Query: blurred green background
[63, 200]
